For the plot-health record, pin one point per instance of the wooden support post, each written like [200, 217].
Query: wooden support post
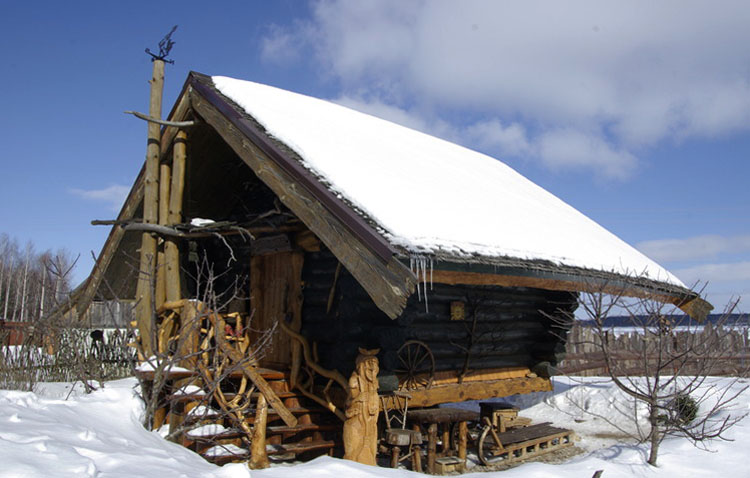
[160, 293]
[395, 451]
[294, 307]
[416, 459]
[258, 455]
[187, 356]
[189, 342]
[171, 249]
[463, 432]
[144, 289]
[446, 439]
[431, 448]
[160, 415]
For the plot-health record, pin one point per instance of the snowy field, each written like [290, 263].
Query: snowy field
[99, 435]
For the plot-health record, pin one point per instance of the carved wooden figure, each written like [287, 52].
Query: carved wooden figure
[362, 408]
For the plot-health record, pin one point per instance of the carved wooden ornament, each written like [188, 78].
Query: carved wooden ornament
[362, 408]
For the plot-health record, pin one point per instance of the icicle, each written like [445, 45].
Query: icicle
[418, 265]
[424, 278]
[414, 266]
[430, 273]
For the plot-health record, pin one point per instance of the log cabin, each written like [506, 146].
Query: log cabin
[331, 232]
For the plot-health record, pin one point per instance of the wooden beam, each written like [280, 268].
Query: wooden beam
[477, 391]
[176, 124]
[389, 284]
[693, 306]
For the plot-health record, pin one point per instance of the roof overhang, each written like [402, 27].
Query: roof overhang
[352, 237]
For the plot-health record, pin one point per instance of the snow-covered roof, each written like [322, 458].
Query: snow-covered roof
[429, 196]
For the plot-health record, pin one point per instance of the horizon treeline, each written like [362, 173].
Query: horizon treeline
[32, 283]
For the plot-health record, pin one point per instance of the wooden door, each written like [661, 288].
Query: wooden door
[276, 294]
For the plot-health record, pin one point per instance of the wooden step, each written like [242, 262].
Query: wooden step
[182, 397]
[225, 434]
[266, 373]
[226, 459]
[272, 450]
[294, 410]
[223, 459]
[303, 428]
[297, 448]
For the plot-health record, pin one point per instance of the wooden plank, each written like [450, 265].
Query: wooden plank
[477, 391]
[275, 283]
[451, 376]
[389, 284]
[303, 447]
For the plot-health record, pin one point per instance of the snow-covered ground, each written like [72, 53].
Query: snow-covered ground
[43, 434]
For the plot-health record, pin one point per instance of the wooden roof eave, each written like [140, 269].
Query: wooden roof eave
[362, 250]
[571, 280]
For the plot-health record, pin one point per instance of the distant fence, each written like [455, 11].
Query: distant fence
[63, 355]
[728, 349]
[110, 314]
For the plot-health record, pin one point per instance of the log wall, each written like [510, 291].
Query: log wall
[511, 329]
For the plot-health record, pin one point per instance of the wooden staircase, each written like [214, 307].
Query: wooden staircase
[222, 437]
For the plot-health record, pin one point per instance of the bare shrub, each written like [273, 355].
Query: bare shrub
[667, 374]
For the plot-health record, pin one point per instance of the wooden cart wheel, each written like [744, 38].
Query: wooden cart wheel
[417, 367]
[487, 448]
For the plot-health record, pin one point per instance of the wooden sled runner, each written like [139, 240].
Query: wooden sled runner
[521, 443]
[507, 438]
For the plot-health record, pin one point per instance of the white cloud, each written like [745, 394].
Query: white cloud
[728, 272]
[598, 79]
[694, 248]
[565, 148]
[113, 195]
[507, 140]
[280, 46]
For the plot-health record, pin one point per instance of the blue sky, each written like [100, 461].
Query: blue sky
[637, 113]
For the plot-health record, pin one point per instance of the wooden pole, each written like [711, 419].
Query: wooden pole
[258, 455]
[416, 459]
[295, 308]
[171, 248]
[144, 289]
[431, 448]
[463, 432]
[161, 269]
